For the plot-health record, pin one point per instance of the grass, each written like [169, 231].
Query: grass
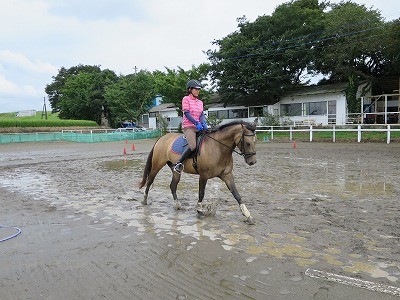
[8, 120]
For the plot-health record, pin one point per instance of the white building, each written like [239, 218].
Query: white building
[325, 104]
[26, 113]
[309, 105]
[168, 111]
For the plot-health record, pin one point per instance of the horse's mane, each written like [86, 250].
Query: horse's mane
[249, 126]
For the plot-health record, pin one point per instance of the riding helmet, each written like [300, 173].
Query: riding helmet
[193, 84]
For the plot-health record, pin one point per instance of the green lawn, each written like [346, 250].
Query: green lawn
[10, 120]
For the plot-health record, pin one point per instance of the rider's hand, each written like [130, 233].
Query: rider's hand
[205, 127]
[199, 127]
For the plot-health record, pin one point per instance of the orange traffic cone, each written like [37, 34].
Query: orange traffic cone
[133, 147]
[124, 150]
[126, 141]
[294, 145]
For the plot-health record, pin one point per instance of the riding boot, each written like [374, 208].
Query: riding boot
[179, 165]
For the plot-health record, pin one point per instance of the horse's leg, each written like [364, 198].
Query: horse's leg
[202, 187]
[230, 183]
[149, 182]
[150, 179]
[173, 186]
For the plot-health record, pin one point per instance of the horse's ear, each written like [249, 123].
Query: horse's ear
[256, 121]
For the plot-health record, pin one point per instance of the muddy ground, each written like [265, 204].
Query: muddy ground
[85, 235]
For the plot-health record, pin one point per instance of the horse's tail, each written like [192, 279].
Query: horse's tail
[147, 168]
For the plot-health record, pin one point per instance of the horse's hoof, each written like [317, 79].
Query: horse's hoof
[144, 201]
[177, 207]
[250, 221]
[201, 214]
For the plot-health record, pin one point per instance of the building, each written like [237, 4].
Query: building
[382, 104]
[309, 105]
[169, 111]
[319, 104]
[26, 113]
[230, 113]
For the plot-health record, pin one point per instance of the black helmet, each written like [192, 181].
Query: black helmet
[193, 84]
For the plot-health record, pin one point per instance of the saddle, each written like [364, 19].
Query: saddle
[181, 144]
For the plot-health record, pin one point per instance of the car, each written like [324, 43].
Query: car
[139, 128]
[130, 129]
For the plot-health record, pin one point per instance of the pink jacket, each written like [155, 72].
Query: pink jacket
[194, 106]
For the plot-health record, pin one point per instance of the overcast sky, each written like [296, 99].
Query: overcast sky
[38, 37]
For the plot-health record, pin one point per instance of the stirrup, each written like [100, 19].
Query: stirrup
[178, 168]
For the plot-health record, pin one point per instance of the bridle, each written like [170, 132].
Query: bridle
[244, 154]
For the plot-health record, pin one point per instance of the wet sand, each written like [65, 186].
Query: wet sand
[85, 235]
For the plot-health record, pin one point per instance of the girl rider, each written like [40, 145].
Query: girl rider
[193, 120]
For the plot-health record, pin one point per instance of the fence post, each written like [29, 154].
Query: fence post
[272, 132]
[334, 133]
[290, 134]
[388, 135]
[359, 133]
[311, 133]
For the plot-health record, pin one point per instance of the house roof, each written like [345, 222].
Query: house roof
[163, 107]
[318, 89]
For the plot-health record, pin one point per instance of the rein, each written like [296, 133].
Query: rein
[244, 154]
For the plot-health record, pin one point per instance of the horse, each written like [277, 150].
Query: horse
[215, 159]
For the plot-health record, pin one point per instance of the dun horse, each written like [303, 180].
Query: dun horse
[214, 160]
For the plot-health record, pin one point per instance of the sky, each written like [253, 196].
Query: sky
[38, 37]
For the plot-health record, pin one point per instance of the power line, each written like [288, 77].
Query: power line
[316, 42]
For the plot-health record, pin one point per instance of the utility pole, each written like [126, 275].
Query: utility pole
[135, 68]
[44, 110]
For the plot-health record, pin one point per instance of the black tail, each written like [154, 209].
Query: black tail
[147, 169]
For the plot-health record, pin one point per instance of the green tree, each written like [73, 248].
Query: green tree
[263, 59]
[391, 48]
[171, 84]
[53, 90]
[82, 95]
[130, 97]
[351, 48]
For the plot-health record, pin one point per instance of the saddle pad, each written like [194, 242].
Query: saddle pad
[179, 145]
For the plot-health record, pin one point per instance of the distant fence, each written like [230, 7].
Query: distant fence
[387, 130]
[80, 136]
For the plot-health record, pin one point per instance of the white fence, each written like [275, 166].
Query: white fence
[311, 129]
[360, 129]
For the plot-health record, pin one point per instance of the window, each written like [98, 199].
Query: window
[293, 109]
[332, 107]
[315, 108]
[222, 114]
[229, 113]
[256, 111]
[145, 119]
[238, 113]
[213, 114]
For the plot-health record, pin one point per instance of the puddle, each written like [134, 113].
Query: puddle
[373, 270]
[118, 165]
[27, 182]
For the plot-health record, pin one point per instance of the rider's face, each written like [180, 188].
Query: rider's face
[195, 92]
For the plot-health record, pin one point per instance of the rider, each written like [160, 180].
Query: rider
[193, 120]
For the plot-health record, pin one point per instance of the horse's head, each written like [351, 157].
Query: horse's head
[247, 143]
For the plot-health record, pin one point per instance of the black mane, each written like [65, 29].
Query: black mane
[249, 126]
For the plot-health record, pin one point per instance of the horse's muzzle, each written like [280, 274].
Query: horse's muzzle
[251, 160]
